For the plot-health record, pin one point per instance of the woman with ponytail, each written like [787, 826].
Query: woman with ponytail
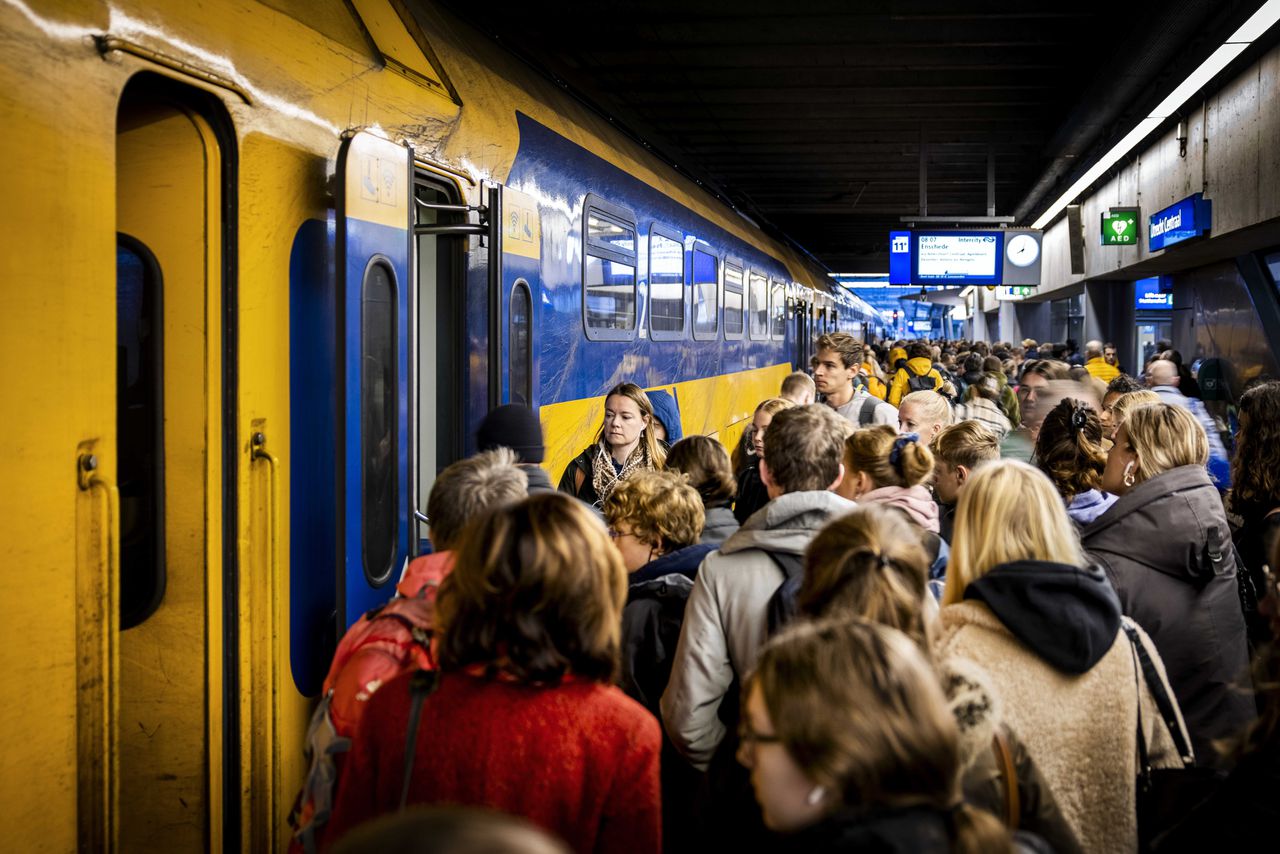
[1069, 450]
[866, 565]
[882, 467]
[851, 746]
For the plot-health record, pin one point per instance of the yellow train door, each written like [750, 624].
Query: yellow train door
[170, 422]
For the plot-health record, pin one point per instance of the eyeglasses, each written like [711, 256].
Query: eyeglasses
[615, 534]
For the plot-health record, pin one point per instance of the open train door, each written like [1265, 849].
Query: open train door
[374, 231]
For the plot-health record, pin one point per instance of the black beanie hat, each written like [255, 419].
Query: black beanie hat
[512, 426]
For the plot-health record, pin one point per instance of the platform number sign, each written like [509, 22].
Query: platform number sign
[1120, 227]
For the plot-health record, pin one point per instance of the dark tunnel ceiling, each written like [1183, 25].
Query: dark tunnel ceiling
[808, 117]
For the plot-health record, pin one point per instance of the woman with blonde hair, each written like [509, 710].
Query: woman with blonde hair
[624, 444]
[882, 467]
[1020, 600]
[867, 565]
[924, 413]
[1166, 546]
[529, 635]
[851, 746]
[752, 494]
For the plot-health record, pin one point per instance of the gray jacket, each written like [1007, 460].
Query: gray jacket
[720, 525]
[1167, 549]
[725, 621]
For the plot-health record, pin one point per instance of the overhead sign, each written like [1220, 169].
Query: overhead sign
[899, 257]
[957, 257]
[1152, 294]
[921, 325]
[1017, 292]
[1184, 220]
[1120, 226]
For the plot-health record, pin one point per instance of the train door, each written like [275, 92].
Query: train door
[170, 427]
[374, 484]
[438, 359]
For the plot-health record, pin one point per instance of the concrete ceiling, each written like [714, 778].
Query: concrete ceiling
[810, 117]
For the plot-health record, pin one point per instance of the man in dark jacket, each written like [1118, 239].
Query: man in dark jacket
[515, 426]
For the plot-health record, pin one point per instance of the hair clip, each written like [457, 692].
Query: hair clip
[1079, 416]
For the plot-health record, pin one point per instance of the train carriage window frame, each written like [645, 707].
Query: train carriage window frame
[735, 332]
[379, 521]
[520, 355]
[699, 293]
[600, 251]
[777, 317]
[662, 233]
[758, 305]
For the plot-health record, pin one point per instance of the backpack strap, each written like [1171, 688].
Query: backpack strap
[792, 566]
[867, 411]
[421, 685]
[1004, 762]
[1164, 703]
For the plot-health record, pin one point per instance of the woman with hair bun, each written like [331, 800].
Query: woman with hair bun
[882, 467]
[624, 444]
[1069, 451]
[851, 746]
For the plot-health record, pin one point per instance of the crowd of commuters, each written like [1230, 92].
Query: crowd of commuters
[932, 597]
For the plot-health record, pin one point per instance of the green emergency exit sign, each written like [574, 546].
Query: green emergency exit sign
[1120, 227]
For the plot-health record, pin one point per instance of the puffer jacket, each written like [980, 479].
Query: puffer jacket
[725, 621]
[1166, 547]
[1049, 636]
[656, 596]
[979, 713]
[923, 367]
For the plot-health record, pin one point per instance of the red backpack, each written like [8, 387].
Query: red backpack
[387, 641]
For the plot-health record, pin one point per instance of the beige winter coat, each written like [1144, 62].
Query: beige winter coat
[1080, 730]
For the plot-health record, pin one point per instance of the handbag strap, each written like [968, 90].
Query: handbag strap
[421, 685]
[1004, 761]
[1164, 703]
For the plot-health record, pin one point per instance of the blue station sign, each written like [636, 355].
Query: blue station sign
[1153, 294]
[1181, 221]
[899, 257]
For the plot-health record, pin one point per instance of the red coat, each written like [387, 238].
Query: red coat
[580, 760]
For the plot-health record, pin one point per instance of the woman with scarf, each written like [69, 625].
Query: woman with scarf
[625, 444]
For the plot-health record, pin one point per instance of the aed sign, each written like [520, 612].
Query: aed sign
[899, 257]
[1014, 293]
[1184, 220]
[1120, 227]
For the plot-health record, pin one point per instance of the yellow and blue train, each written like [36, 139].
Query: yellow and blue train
[266, 266]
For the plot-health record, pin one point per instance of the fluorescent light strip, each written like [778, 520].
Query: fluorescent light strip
[1258, 23]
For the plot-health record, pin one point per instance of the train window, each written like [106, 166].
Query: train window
[140, 430]
[759, 293]
[778, 308]
[608, 271]
[378, 415]
[666, 286]
[706, 292]
[520, 353]
[733, 319]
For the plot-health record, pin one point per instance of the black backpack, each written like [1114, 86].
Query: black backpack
[919, 382]
[867, 411]
[782, 604]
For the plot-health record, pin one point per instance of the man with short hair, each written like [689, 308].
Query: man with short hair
[836, 364]
[1096, 364]
[798, 388]
[726, 620]
[1162, 377]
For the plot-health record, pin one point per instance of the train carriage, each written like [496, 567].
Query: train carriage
[267, 265]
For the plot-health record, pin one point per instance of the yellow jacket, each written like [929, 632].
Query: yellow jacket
[875, 387]
[1100, 370]
[922, 368]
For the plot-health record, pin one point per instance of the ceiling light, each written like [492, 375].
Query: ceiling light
[1252, 29]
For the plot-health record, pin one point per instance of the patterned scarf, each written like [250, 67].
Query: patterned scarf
[603, 476]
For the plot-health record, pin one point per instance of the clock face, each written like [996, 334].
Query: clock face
[1022, 250]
